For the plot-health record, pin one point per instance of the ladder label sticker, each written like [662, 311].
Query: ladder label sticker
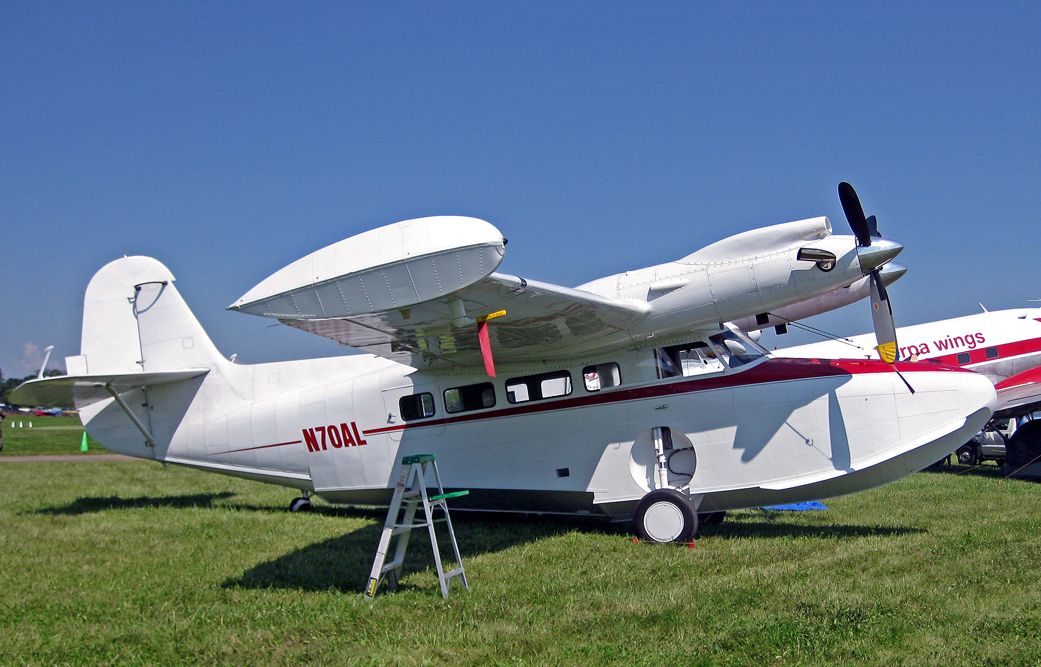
[370, 590]
[337, 436]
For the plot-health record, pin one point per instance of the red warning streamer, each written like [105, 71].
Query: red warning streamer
[486, 342]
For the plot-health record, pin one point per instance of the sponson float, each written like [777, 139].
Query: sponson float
[629, 397]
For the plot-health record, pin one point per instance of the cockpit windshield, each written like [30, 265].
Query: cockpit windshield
[727, 350]
[735, 350]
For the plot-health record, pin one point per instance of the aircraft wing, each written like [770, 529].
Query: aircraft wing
[83, 390]
[417, 292]
[542, 321]
[426, 292]
[1019, 393]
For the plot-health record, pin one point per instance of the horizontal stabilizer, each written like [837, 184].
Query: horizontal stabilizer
[83, 390]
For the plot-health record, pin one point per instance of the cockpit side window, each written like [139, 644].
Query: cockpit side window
[687, 359]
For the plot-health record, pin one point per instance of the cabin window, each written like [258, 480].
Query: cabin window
[992, 353]
[963, 358]
[470, 397]
[538, 387]
[416, 406]
[686, 360]
[601, 376]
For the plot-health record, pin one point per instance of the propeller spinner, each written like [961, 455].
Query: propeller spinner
[874, 252]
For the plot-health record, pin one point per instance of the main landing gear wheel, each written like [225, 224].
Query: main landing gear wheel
[301, 504]
[666, 515]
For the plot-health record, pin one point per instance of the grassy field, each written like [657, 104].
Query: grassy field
[48, 435]
[131, 562]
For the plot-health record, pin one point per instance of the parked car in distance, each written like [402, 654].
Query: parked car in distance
[988, 444]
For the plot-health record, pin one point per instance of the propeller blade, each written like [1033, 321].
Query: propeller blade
[872, 227]
[854, 214]
[882, 318]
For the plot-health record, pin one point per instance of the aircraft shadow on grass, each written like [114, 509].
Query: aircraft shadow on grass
[986, 471]
[765, 525]
[343, 563]
[103, 503]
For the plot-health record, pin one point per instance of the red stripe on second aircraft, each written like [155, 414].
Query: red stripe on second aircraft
[979, 355]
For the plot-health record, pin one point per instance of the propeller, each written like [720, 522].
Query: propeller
[874, 252]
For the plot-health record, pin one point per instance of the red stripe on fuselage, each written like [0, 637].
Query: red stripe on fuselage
[277, 444]
[772, 370]
[979, 355]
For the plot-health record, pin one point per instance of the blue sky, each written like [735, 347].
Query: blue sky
[228, 139]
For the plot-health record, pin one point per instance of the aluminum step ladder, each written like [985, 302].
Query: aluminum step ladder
[411, 488]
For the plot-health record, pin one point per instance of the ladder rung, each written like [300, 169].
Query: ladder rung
[405, 527]
[391, 566]
[450, 494]
[454, 573]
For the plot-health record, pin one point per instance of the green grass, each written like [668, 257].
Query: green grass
[131, 562]
[48, 435]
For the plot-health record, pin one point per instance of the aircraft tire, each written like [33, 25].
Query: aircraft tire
[300, 504]
[966, 455]
[666, 515]
[1024, 447]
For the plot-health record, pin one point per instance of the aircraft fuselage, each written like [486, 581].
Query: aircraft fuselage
[771, 430]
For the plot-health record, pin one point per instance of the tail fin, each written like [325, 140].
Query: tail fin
[134, 320]
[143, 349]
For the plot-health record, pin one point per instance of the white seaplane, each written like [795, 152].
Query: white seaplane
[629, 397]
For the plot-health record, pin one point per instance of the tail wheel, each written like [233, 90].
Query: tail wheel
[666, 515]
[300, 505]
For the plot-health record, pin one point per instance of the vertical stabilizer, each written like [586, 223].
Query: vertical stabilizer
[135, 320]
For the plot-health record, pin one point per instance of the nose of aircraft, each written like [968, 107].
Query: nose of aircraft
[878, 253]
[977, 392]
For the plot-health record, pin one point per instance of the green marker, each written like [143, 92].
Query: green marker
[83, 445]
